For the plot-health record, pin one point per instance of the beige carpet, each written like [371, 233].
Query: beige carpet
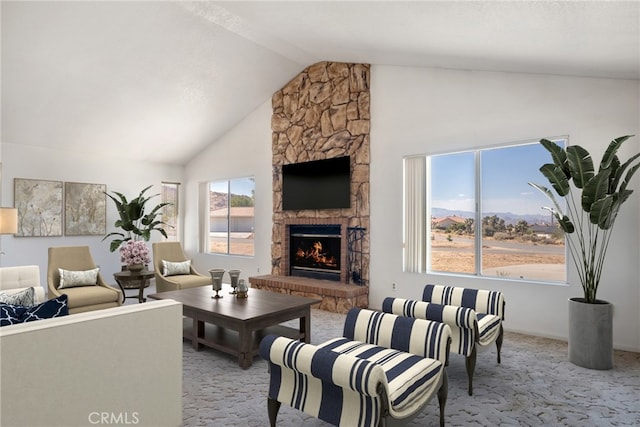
[534, 385]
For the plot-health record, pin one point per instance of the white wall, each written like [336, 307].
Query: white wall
[242, 152]
[127, 177]
[434, 110]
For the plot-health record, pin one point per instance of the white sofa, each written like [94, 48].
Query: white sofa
[117, 366]
[16, 279]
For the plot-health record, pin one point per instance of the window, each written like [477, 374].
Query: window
[170, 193]
[451, 205]
[479, 216]
[231, 216]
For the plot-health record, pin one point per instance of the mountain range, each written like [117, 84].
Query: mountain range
[509, 218]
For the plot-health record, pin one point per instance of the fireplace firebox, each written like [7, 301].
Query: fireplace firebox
[315, 251]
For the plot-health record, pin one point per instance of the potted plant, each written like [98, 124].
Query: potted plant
[133, 221]
[592, 201]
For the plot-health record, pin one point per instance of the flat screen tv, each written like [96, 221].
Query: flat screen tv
[319, 184]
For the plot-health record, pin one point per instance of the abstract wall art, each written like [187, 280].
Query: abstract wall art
[39, 205]
[85, 209]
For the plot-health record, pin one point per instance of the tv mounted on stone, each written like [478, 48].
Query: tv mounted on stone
[318, 184]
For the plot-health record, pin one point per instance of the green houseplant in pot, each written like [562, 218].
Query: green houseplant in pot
[592, 202]
[134, 222]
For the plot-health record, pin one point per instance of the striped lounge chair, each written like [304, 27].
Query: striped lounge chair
[384, 369]
[462, 321]
[488, 305]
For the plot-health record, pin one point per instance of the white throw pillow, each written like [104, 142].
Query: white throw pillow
[25, 298]
[71, 279]
[175, 268]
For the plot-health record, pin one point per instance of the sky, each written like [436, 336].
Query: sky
[506, 172]
[238, 186]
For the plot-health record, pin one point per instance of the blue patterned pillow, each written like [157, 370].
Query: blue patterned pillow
[13, 314]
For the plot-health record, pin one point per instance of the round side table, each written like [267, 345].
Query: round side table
[138, 277]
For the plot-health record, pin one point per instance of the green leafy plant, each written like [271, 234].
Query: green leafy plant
[134, 222]
[593, 200]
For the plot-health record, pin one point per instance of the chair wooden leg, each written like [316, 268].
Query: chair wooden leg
[384, 406]
[442, 396]
[273, 406]
[470, 364]
[499, 342]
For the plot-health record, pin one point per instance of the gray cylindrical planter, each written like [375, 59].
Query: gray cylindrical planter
[591, 334]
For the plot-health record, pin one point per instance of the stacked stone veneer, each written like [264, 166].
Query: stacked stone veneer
[322, 113]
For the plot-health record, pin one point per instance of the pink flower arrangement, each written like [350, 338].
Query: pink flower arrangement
[134, 252]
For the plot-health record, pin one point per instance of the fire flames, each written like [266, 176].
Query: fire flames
[316, 256]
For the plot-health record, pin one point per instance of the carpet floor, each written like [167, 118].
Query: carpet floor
[535, 385]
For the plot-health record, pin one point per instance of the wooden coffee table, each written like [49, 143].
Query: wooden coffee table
[236, 325]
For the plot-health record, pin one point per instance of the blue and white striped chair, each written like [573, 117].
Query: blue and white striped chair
[488, 305]
[462, 321]
[385, 368]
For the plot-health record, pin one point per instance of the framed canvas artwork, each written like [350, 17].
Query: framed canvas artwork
[39, 205]
[85, 211]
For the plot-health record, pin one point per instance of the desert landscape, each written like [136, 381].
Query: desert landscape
[500, 258]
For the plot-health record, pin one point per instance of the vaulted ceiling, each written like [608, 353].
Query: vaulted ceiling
[160, 81]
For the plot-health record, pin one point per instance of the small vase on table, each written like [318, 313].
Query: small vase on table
[135, 268]
[242, 289]
[216, 280]
[234, 275]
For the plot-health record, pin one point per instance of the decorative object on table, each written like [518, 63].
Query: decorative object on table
[134, 222]
[216, 280]
[243, 290]
[39, 205]
[234, 275]
[135, 267]
[587, 224]
[135, 254]
[85, 209]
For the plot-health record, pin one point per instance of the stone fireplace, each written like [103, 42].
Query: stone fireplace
[320, 114]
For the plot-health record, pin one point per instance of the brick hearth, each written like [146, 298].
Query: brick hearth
[334, 296]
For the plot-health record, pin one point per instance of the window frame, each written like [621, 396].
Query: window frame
[207, 220]
[172, 235]
[478, 224]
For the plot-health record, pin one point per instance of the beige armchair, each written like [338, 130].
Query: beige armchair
[81, 298]
[172, 252]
